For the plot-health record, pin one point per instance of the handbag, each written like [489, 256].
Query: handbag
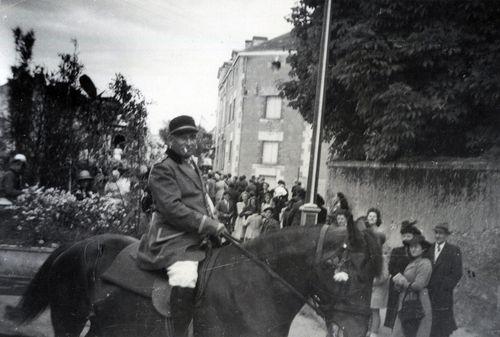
[411, 308]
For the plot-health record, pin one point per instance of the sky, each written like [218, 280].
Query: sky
[169, 50]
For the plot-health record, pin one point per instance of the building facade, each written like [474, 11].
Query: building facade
[257, 133]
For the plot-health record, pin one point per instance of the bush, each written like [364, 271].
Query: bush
[43, 217]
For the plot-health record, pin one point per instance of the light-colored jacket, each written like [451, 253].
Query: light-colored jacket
[254, 226]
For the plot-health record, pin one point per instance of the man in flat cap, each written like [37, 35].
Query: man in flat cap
[182, 217]
[446, 272]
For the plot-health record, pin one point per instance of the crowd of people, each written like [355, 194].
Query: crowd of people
[116, 183]
[415, 272]
[249, 208]
[417, 280]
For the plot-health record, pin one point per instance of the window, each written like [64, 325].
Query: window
[221, 113]
[273, 107]
[229, 156]
[231, 111]
[226, 113]
[270, 152]
[231, 78]
[223, 155]
[233, 108]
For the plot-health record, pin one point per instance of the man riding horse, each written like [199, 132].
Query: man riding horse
[181, 220]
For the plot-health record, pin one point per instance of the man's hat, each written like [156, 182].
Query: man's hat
[84, 175]
[181, 124]
[419, 239]
[267, 208]
[19, 157]
[443, 226]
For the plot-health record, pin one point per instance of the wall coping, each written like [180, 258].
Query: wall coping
[27, 249]
[465, 164]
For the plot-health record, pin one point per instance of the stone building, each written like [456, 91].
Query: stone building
[257, 133]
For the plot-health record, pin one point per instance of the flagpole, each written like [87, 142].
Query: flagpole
[310, 210]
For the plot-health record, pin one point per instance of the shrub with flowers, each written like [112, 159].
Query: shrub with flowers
[48, 216]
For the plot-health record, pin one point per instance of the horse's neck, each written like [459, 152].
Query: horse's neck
[290, 253]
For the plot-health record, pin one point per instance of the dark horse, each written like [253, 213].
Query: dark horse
[240, 298]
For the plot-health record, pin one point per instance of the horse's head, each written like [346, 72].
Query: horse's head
[346, 263]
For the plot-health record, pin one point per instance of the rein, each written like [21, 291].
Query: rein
[310, 302]
[314, 301]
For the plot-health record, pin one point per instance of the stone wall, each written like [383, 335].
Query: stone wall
[465, 194]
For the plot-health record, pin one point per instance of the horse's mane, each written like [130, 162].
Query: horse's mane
[358, 238]
[303, 239]
[373, 247]
[288, 241]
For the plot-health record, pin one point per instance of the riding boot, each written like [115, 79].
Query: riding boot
[181, 305]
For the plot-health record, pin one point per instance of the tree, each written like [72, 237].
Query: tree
[56, 125]
[405, 78]
[21, 90]
[204, 140]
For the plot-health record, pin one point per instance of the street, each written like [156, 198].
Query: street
[306, 324]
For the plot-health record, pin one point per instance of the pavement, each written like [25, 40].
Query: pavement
[41, 327]
[306, 324]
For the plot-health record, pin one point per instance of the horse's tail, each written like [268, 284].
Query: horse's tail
[36, 297]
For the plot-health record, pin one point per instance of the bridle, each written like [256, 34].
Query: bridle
[337, 262]
[314, 300]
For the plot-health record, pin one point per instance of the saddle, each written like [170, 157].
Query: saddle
[125, 273]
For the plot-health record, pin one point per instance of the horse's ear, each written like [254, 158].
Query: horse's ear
[354, 234]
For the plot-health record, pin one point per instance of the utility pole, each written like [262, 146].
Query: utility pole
[310, 210]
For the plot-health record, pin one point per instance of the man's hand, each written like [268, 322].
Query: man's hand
[213, 227]
[221, 229]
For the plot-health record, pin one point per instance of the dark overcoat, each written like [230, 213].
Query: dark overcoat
[269, 225]
[181, 210]
[225, 212]
[446, 272]
[295, 214]
[397, 264]
[10, 185]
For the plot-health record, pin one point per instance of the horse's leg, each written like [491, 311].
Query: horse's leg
[69, 308]
[66, 324]
[121, 313]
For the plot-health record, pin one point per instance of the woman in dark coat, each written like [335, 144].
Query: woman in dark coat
[398, 261]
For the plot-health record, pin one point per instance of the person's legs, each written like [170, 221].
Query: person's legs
[398, 329]
[182, 276]
[374, 322]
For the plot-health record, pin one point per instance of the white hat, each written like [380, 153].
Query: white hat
[19, 157]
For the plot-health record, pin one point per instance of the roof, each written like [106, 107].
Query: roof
[282, 42]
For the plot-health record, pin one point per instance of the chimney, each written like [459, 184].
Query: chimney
[256, 40]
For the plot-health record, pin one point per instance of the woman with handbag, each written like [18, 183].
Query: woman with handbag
[414, 318]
